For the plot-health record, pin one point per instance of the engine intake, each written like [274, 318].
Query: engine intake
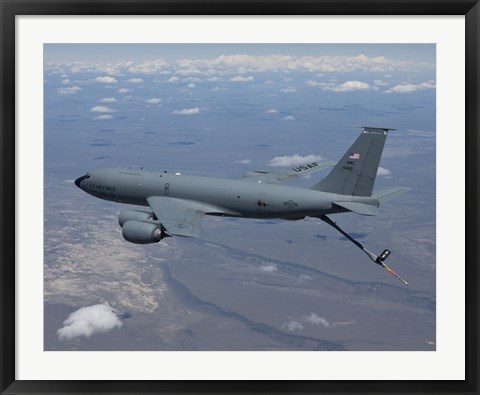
[135, 215]
[141, 232]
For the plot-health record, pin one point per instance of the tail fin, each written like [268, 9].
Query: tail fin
[355, 173]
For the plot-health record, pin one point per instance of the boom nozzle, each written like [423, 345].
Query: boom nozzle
[384, 255]
[378, 259]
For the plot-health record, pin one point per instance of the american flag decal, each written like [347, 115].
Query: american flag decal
[354, 156]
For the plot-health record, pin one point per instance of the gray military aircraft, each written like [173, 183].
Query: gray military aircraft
[177, 203]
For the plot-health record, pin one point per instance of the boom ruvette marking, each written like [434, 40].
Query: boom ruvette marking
[177, 203]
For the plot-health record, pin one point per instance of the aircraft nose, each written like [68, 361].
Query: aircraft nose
[79, 180]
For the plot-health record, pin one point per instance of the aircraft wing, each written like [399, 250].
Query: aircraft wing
[281, 177]
[182, 217]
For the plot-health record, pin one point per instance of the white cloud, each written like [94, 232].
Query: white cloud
[381, 171]
[380, 83]
[314, 319]
[304, 277]
[191, 86]
[293, 160]
[155, 66]
[268, 268]
[314, 64]
[71, 90]
[106, 80]
[240, 64]
[103, 117]
[101, 109]
[272, 111]
[66, 81]
[288, 118]
[406, 87]
[239, 78]
[292, 326]
[189, 71]
[244, 161]
[135, 81]
[108, 100]
[187, 111]
[124, 90]
[322, 85]
[348, 86]
[314, 83]
[153, 100]
[289, 89]
[173, 80]
[88, 321]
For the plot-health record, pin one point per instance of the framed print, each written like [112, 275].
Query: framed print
[196, 197]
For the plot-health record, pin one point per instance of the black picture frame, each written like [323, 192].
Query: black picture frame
[9, 9]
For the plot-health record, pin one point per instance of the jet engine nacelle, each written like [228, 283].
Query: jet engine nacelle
[141, 232]
[135, 215]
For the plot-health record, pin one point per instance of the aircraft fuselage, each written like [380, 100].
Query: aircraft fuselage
[236, 198]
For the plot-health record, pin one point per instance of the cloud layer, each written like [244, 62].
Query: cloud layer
[239, 65]
[88, 321]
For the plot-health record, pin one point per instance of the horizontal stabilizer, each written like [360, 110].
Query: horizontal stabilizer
[359, 208]
[389, 194]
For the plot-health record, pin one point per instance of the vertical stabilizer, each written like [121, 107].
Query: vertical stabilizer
[355, 173]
